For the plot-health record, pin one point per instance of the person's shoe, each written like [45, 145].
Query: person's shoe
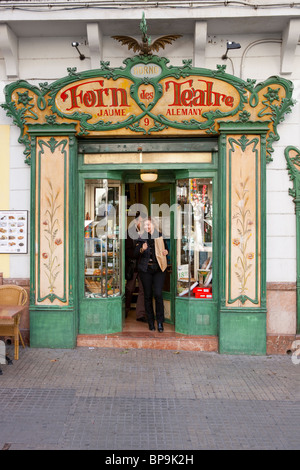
[143, 319]
[160, 327]
[151, 327]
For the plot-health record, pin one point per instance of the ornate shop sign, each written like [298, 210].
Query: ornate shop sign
[148, 97]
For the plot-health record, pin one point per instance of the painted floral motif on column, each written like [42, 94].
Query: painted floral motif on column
[244, 228]
[51, 233]
[244, 223]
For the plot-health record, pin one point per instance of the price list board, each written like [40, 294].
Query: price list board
[14, 232]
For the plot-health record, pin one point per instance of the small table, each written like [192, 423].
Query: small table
[9, 324]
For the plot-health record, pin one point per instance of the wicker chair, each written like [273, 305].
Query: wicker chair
[11, 294]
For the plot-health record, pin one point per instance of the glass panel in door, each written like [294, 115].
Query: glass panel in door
[194, 238]
[102, 253]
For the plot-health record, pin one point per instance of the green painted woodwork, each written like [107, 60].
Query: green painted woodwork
[101, 316]
[51, 325]
[243, 329]
[200, 316]
[179, 144]
[166, 173]
[242, 332]
[52, 328]
[196, 316]
[292, 155]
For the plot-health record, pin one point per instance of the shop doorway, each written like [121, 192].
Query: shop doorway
[109, 206]
[190, 290]
[155, 200]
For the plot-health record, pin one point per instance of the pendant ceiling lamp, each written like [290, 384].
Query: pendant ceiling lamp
[148, 176]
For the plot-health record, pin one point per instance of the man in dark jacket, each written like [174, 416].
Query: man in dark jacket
[130, 243]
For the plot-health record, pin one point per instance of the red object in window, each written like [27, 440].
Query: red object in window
[202, 292]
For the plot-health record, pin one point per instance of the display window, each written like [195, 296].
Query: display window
[194, 238]
[102, 253]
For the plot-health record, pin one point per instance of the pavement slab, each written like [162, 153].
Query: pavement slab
[134, 399]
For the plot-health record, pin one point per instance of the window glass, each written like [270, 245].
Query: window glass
[194, 238]
[102, 238]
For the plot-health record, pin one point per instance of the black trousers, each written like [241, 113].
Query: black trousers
[129, 289]
[153, 282]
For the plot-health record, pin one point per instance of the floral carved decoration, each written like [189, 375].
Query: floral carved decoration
[244, 225]
[292, 155]
[51, 230]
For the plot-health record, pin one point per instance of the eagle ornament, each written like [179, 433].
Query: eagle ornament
[146, 47]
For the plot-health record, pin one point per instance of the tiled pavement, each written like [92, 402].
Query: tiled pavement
[114, 399]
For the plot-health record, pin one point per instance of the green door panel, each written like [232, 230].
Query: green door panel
[101, 316]
[196, 317]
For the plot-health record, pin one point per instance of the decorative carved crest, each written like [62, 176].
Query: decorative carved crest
[146, 47]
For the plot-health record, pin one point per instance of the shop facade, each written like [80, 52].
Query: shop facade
[208, 136]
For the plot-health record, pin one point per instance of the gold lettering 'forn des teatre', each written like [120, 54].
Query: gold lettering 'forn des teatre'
[191, 93]
[106, 98]
[94, 94]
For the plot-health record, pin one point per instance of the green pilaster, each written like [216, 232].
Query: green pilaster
[54, 325]
[242, 322]
[292, 155]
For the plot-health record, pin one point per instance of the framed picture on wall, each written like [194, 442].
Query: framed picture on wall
[14, 232]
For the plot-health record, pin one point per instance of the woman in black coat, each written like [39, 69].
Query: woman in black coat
[151, 273]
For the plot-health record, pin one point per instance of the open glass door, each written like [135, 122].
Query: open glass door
[194, 238]
[160, 208]
[100, 260]
[197, 277]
